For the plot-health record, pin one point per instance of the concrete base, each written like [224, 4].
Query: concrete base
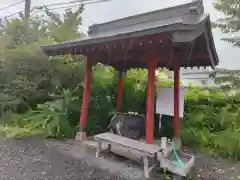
[158, 142]
[119, 166]
[127, 163]
[81, 136]
[118, 150]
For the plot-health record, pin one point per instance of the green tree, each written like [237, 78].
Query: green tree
[230, 24]
[25, 72]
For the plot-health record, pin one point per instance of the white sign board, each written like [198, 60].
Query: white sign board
[165, 101]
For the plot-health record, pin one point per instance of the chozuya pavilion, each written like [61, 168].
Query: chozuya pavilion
[170, 38]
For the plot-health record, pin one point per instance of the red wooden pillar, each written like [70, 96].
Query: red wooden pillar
[86, 94]
[150, 100]
[176, 101]
[119, 91]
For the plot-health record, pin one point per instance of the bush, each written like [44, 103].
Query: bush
[212, 119]
[49, 119]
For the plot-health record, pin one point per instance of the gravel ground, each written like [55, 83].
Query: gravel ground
[34, 159]
[206, 167]
[212, 168]
[37, 159]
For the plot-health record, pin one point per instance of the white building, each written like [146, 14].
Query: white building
[196, 77]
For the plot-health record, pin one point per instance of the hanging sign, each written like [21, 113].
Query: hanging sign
[165, 101]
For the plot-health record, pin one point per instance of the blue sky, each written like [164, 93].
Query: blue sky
[114, 9]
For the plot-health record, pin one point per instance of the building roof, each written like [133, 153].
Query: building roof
[182, 32]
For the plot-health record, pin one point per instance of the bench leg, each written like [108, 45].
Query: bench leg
[109, 147]
[155, 158]
[145, 164]
[98, 149]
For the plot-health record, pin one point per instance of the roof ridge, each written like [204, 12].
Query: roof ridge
[92, 29]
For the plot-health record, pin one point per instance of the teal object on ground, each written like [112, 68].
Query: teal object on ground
[178, 163]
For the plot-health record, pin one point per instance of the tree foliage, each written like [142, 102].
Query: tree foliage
[211, 120]
[25, 72]
[28, 77]
[230, 23]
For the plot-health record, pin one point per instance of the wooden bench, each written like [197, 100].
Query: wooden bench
[145, 150]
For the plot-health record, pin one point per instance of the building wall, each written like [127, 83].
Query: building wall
[195, 77]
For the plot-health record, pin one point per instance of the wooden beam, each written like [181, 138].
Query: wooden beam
[86, 94]
[199, 55]
[152, 62]
[119, 91]
[176, 100]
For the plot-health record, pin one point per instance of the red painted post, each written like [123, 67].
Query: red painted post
[86, 94]
[119, 91]
[176, 101]
[150, 101]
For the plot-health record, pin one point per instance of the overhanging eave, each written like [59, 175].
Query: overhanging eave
[180, 24]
